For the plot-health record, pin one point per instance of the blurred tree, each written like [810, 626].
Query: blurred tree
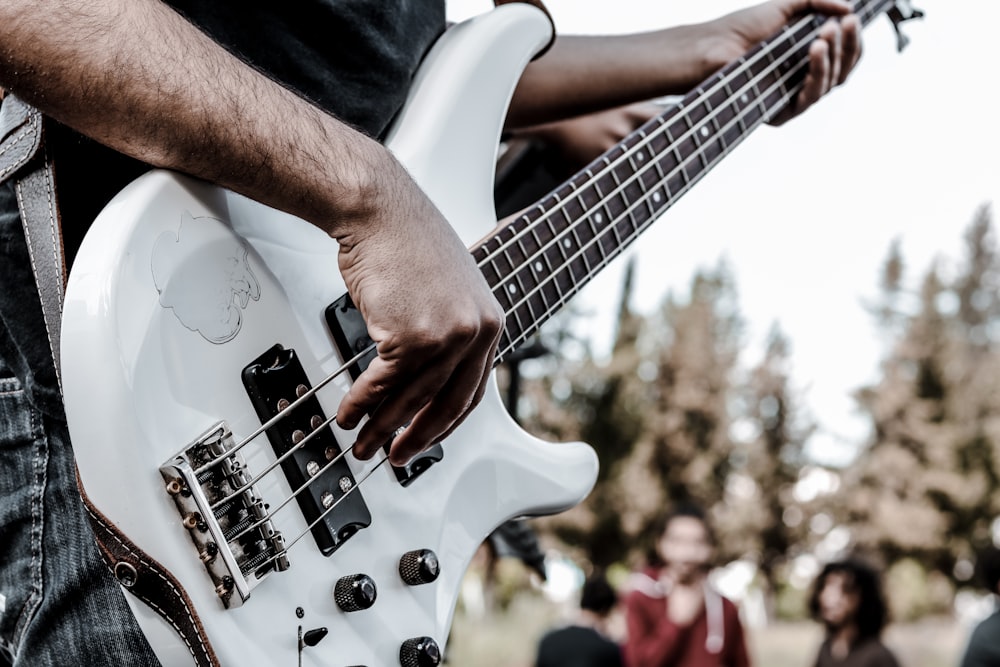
[928, 484]
[762, 504]
[658, 414]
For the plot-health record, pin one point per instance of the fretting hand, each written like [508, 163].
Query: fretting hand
[831, 57]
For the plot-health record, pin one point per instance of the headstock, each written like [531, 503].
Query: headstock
[901, 11]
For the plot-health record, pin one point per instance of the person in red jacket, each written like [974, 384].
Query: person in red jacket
[674, 617]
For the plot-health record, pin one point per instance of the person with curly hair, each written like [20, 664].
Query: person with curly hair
[847, 598]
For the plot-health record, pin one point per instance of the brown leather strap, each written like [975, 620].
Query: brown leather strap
[36, 199]
[149, 581]
[23, 157]
[541, 6]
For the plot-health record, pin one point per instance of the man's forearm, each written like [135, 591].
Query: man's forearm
[138, 77]
[581, 74]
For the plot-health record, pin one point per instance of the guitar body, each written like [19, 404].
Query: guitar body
[179, 286]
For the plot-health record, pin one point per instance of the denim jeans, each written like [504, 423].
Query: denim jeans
[59, 604]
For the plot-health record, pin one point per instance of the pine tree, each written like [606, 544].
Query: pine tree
[927, 485]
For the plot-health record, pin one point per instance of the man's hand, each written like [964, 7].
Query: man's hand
[831, 57]
[430, 312]
[685, 602]
[581, 139]
[182, 102]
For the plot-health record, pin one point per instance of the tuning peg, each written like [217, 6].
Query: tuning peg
[900, 12]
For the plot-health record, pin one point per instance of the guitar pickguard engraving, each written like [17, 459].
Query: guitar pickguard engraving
[203, 274]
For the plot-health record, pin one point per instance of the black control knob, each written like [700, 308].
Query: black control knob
[419, 652]
[419, 567]
[355, 592]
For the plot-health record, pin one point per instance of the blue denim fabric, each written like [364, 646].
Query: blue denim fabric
[59, 605]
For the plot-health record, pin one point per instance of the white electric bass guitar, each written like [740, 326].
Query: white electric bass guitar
[207, 342]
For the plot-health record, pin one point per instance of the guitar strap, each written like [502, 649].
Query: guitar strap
[25, 158]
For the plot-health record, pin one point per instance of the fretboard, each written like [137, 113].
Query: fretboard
[547, 254]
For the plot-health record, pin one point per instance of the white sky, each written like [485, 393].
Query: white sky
[805, 213]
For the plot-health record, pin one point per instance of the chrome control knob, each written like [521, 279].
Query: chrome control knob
[419, 567]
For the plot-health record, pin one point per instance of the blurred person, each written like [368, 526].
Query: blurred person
[984, 644]
[847, 598]
[586, 641]
[673, 615]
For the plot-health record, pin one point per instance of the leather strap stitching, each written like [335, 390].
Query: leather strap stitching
[109, 532]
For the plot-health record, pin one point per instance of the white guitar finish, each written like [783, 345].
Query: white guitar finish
[149, 365]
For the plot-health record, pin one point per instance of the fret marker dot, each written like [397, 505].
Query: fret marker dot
[512, 289]
[598, 218]
[539, 266]
[639, 157]
[567, 243]
[744, 98]
[704, 131]
[656, 197]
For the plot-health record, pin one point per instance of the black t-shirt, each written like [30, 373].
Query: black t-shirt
[984, 644]
[354, 58]
[577, 646]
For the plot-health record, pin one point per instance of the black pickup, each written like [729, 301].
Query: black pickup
[351, 337]
[273, 381]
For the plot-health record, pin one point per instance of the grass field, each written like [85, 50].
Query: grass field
[508, 639]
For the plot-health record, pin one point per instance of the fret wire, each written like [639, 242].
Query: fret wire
[574, 232]
[635, 169]
[548, 259]
[572, 228]
[513, 312]
[767, 48]
[619, 190]
[661, 179]
[592, 228]
[622, 190]
[524, 334]
[503, 351]
[614, 229]
[729, 95]
[576, 285]
[740, 118]
[682, 162]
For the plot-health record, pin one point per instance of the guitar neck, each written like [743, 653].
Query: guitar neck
[539, 260]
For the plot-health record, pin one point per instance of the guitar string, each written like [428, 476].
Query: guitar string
[289, 545]
[309, 393]
[277, 418]
[701, 98]
[284, 413]
[628, 154]
[867, 12]
[284, 457]
[271, 512]
[611, 227]
[269, 516]
[704, 96]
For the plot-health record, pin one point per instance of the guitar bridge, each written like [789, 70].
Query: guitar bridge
[225, 517]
